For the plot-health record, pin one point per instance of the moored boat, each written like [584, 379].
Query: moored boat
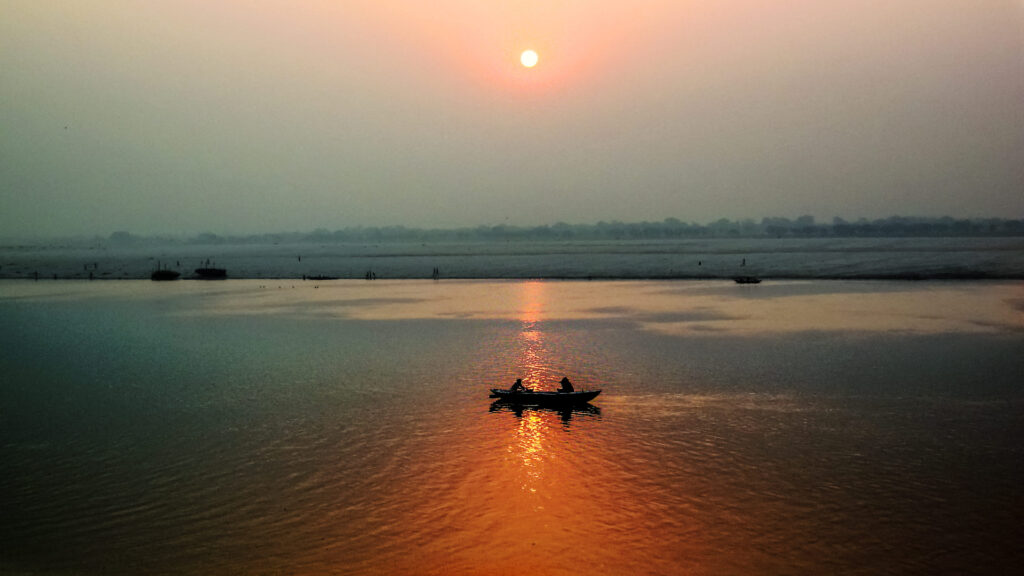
[747, 280]
[535, 398]
[163, 275]
[211, 273]
[160, 274]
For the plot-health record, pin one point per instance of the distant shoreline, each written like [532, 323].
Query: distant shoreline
[767, 228]
[595, 278]
[905, 259]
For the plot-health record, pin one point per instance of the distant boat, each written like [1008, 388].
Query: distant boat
[747, 280]
[532, 398]
[162, 275]
[211, 273]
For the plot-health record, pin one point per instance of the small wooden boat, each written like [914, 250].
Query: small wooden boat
[533, 398]
[747, 280]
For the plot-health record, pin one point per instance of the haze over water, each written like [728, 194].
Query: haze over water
[344, 428]
[185, 116]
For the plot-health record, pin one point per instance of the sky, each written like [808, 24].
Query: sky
[249, 116]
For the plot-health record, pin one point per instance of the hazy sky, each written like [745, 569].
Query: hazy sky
[232, 116]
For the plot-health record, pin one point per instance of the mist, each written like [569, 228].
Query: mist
[187, 117]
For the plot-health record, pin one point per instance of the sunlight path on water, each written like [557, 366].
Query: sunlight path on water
[345, 427]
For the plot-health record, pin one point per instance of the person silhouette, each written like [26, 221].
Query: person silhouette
[566, 385]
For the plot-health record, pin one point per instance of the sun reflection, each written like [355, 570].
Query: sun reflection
[529, 448]
[534, 363]
[533, 357]
[536, 445]
[534, 301]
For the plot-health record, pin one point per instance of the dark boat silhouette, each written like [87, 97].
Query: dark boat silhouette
[534, 398]
[211, 273]
[163, 274]
[747, 280]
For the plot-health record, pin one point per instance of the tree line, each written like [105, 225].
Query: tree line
[669, 228]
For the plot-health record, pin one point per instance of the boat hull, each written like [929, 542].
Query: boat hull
[544, 398]
[211, 273]
[164, 275]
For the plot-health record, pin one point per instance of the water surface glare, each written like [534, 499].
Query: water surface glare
[264, 427]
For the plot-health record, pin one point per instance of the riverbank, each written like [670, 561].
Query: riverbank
[878, 259]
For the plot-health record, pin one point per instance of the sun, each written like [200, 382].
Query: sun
[528, 58]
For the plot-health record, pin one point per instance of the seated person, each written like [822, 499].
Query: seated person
[518, 386]
[566, 385]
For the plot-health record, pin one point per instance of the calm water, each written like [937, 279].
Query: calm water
[256, 427]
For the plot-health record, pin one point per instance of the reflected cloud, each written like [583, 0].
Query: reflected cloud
[770, 289]
[678, 308]
[1000, 326]
[639, 315]
[850, 306]
[685, 405]
[706, 328]
[613, 310]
